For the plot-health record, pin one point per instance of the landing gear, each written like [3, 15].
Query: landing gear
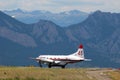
[40, 64]
[49, 65]
[63, 66]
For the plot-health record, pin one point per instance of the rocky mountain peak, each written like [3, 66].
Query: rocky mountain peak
[99, 34]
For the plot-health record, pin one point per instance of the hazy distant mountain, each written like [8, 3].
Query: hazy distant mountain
[62, 19]
[99, 34]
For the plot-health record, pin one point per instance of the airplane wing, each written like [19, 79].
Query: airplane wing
[52, 61]
[42, 59]
[34, 58]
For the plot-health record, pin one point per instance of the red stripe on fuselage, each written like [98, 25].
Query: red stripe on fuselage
[69, 61]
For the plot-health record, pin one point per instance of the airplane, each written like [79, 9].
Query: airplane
[62, 60]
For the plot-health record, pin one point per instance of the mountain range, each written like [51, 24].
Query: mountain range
[99, 33]
[63, 19]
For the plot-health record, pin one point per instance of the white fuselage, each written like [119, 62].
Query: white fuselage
[59, 59]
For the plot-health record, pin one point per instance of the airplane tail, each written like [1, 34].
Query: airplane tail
[80, 52]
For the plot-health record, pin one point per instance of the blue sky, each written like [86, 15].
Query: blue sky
[62, 5]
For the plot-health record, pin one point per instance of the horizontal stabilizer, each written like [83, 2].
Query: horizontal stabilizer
[87, 60]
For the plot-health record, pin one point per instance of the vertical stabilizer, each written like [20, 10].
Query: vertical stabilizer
[80, 52]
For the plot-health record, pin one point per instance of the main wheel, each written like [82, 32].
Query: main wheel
[63, 66]
[49, 66]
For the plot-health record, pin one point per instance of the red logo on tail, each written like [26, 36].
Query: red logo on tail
[81, 46]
